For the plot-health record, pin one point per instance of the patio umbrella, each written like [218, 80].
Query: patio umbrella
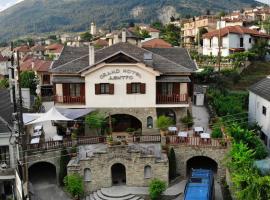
[51, 115]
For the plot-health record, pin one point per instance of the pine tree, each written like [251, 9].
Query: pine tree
[172, 164]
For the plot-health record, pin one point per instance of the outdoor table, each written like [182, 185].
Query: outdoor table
[172, 129]
[35, 140]
[183, 136]
[57, 138]
[198, 130]
[205, 137]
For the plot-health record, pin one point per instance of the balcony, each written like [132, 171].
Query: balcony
[172, 99]
[69, 99]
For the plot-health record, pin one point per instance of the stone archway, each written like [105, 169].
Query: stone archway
[42, 172]
[201, 162]
[118, 174]
[122, 122]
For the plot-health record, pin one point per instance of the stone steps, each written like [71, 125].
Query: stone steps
[101, 195]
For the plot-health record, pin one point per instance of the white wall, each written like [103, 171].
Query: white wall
[120, 97]
[255, 112]
[4, 68]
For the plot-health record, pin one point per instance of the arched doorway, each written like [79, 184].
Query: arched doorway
[42, 173]
[201, 162]
[122, 122]
[118, 171]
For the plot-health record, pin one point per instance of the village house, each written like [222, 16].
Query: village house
[4, 65]
[233, 39]
[54, 50]
[229, 22]
[259, 107]
[133, 84]
[38, 51]
[155, 43]
[192, 27]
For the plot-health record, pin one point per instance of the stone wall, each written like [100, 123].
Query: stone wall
[184, 153]
[101, 162]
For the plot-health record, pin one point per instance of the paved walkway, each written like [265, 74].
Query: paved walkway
[201, 117]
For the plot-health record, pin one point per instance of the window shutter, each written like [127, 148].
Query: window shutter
[142, 88]
[111, 88]
[176, 88]
[128, 88]
[66, 89]
[82, 90]
[97, 88]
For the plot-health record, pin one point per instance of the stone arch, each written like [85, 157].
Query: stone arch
[201, 162]
[87, 174]
[124, 121]
[147, 171]
[118, 174]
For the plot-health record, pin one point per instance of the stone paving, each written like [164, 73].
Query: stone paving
[201, 117]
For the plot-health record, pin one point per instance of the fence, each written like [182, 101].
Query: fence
[147, 138]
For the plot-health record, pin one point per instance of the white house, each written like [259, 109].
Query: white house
[259, 107]
[233, 39]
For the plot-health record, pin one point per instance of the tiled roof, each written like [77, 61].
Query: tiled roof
[3, 58]
[24, 49]
[74, 59]
[55, 48]
[39, 65]
[150, 29]
[156, 43]
[235, 29]
[38, 48]
[101, 43]
[177, 55]
[6, 110]
[262, 88]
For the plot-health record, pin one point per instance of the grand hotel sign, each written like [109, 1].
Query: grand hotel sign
[120, 74]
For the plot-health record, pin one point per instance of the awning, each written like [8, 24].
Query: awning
[28, 117]
[174, 79]
[51, 115]
[75, 113]
[67, 79]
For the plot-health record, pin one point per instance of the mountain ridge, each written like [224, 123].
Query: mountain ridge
[43, 16]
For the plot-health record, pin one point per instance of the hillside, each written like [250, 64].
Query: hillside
[41, 16]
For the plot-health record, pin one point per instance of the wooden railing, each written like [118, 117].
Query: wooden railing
[197, 141]
[172, 99]
[147, 138]
[69, 99]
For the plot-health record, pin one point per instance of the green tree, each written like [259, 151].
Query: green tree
[163, 122]
[86, 37]
[37, 104]
[64, 160]
[260, 48]
[157, 25]
[172, 164]
[145, 34]
[156, 188]
[97, 121]
[29, 80]
[74, 185]
[187, 120]
[4, 84]
[171, 34]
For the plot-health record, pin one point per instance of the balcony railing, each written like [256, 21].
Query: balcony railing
[70, 99]
[172, 99]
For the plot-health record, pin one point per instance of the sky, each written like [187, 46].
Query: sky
[7, 3]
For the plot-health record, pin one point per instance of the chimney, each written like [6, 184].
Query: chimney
[124, 35]
[91, 55]
[33, 65]
[115, 39]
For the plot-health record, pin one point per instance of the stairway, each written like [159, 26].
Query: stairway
[104, 194]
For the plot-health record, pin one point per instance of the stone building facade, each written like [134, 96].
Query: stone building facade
[137, 166]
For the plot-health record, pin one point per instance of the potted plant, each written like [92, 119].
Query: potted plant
[163, 122]
[109, 140]
[187, 120]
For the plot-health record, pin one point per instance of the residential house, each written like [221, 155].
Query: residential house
[192, 27]
[155, 43]
[229, 22]
[7, 146]
[54, 50]
[259, 107]
[4, 65]
[22, 51]
[38, 51]
[132, 84]
[100, 43]
[233, 39]
[154, 33]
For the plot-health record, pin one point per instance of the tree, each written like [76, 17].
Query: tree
[74, 185]
[163, 122]
[260, 48]
[4, 84]
[131, 24]
[172, 164]
[157, 25]
[208, 12]
[96, 120]
[172, 19]
[64, 160]
[202, 31]
[29, 80]
[188, 120]
[86, 37]
[145, 34]
[156, 188]
[171, 34]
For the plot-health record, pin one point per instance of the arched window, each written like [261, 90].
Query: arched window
[147, 171]
[149, 122]
[87, 174]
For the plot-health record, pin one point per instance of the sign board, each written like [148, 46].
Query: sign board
[120, 74]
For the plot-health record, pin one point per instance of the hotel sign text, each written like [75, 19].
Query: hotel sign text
[120, 74]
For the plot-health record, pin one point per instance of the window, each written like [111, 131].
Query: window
[46, 79]
[264, 110]
[104, 88]
[87, 174]
[241, 42]
[74, 90]
[149, 122]
[167, 89]
[147, 172]
[250, 40]
[135, 88]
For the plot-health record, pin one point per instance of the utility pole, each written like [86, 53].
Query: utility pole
[22, 134]
[219, 44]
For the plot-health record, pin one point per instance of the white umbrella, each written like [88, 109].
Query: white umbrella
[51, 115]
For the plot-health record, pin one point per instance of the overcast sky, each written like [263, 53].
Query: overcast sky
[7, 3]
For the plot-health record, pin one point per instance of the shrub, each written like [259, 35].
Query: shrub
[4, 83]
[74, 185]
[188, 120]
[172, 164]
[217, 133]
[96, 120]
[156, 188]
[163, 122]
